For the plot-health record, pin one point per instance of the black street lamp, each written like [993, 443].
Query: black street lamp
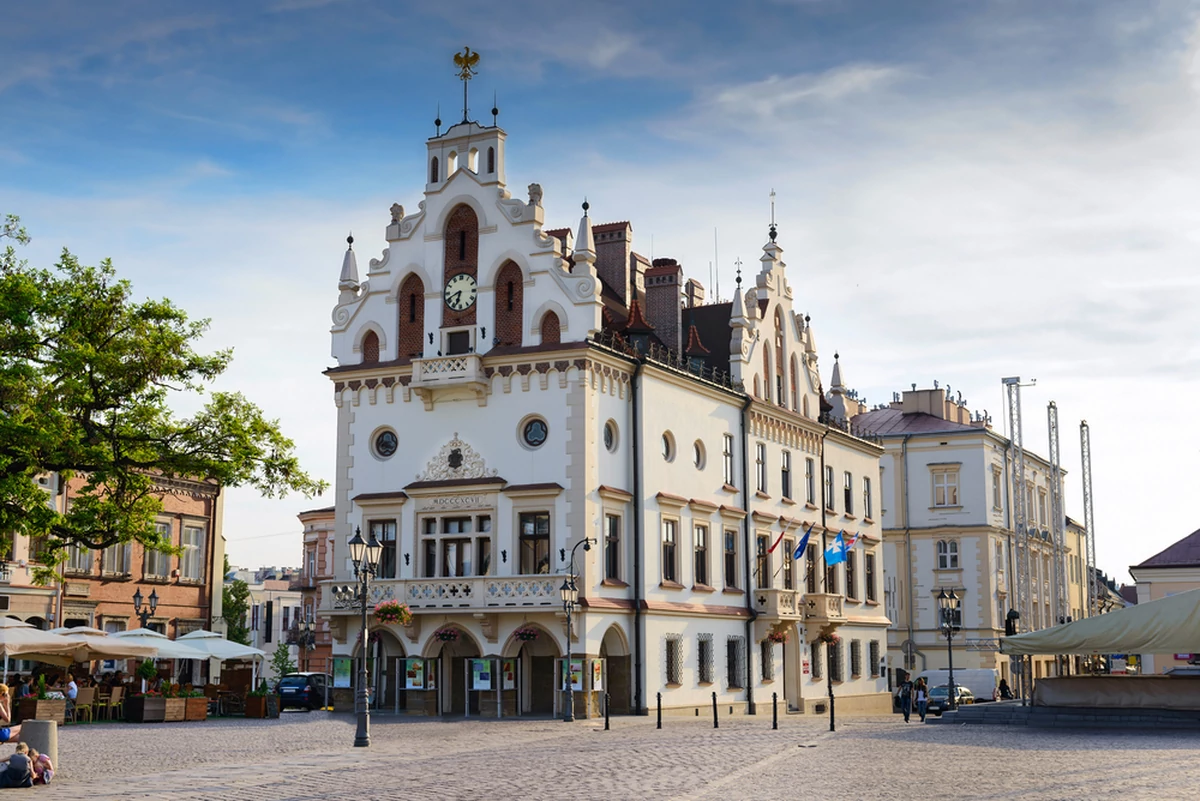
[144, 614]
[365, 556]
[949, 605]
[570, 597]
[308, 637]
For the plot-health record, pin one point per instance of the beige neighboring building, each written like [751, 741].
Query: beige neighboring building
[945, 478]
[1171, 571]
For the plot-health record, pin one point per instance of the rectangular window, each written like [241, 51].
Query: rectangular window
[829, 504]
[191, 562]
[385, 532]
[869, 575]
[785, 474]
[727, 458]
[945, 488]
[762, 568]
[268, 620]
[836, 669]
[815, 660]
[789, 579]
[456, 557]
[254, 617]
[868, 505]
[760, 464]
[483, 556]
[848, 493]
[947, 552]
[996, 492]
[735, 659]
[674, 660]
[873, 658]
[612, 547]
[535, 542]
[156, 564]
[457, 525]
[851, 565]
[79, 559]
[430, 558]
[1029, 500]
[670, 556]
[283, 619]
[700, 555]
[1042, 516]
[810, 570]
[704, 658]
[731, 558]
[810, 489]
[855, 658]
[768, 664]
[117, 560]
[831, 579]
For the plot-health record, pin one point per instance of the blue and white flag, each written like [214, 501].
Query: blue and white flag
[836, 553]
[803, 546]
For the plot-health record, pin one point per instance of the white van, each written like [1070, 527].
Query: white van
[982, 682]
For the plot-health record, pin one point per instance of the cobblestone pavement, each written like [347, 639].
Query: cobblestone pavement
[309, 756]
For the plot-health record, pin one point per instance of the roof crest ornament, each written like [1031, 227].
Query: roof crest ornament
[466, 62]
[772, 232]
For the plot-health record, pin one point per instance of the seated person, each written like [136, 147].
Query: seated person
[18, 771]
[117, 680]
[43, 771]
[70, 690]
[8, 732]
[25, 689]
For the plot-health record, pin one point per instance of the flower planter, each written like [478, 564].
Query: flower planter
[256, 706]
[174, 709]
[195, 708]
[146, 709]
[33, 709]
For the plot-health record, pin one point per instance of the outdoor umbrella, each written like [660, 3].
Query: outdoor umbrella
[96, 644]
[217, 647]
[165, 648]
[18, 638]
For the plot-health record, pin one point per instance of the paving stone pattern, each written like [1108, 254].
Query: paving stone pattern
[309, 756]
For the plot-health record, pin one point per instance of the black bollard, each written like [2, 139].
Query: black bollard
[659, 724]
[716, 723]
[774, 710]
[607, 701]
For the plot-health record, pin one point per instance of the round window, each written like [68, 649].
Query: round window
[698, 454]
[610, 436]
[535, 432]
[668, 446]
[386, 443]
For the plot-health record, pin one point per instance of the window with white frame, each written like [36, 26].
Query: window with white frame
[191, 562]
[947, 554]
[869, 575]
[810, 480]
[1042, 516]
[730, 558]
[815, 659]
[735, 661]
[670, 552]
[873, 657]
[117, 560]
[674, 659]
[704, 658]
[855, 658]
[851, 574]
[79, 559]
[785, 474]
[760, 464]
[868, 505]
[727, 459]
[945, 487]
[156, 564]
[997, 490]
[836, 669]
[762, 567]
[848, 493]
[700, 554]
[612, 547]
[829, 503]
[789, 576]
[765, 658]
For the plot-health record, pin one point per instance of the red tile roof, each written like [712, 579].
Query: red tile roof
[636, 322]
[893, 421]
[694, 346]
[612, 226]
[1185, 553]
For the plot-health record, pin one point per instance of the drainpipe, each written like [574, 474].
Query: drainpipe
[751, 614]
[908, 551]
[638, 622]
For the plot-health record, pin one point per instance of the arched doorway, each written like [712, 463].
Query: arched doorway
[536, 680]
[387, 672]
[615, 651]
[452, 655]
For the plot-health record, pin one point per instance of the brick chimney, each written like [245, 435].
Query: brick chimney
[664, 301]
[614, 249]
[693, 292]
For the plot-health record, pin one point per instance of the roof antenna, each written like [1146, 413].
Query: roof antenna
[495, 110]
[466, 62]
[716, 276]
[438, 121]
[772, 215]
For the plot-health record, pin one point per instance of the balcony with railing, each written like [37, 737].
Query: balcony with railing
[468, 593]
[779, 604]
[433, 375]
[823, 609]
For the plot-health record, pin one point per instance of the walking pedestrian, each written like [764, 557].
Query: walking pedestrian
[906, 698]
[922, 691]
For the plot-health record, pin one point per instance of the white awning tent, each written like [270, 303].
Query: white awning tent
[20, 639]
[165, 648]
[96, 644]
[1168, 625]
[214, 646]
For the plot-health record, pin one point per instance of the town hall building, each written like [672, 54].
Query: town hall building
[521, 407]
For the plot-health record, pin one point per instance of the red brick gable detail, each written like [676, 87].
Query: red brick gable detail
[460, 249]
[510, 289]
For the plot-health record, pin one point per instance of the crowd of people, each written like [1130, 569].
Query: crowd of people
[25, 767]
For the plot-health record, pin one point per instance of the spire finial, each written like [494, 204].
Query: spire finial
[739, 271]
[772, 232]
[438, 120]
[586, 206]
[495, 109]
[350, 241]
[835, 356]
[465, 61]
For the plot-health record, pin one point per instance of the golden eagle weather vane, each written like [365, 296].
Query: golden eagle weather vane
[466, 62]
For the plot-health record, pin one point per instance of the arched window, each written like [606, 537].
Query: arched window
[370, 348]
[491, 162]
[461, 251]
[551, 329]
[411, 329]
[509, 310]
[767, 371]
[804, 403]
[795, 390]
[451, 163]
[757, 388]
[433, 170]
[473, 160]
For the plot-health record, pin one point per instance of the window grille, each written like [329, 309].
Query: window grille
[735, 660]
[705, 658]
[674, 660]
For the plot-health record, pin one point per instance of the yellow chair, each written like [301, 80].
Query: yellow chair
[85, 698]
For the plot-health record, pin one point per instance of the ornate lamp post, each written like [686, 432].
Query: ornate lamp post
[570, 597]
[144, 614]
[365, 556]
[949, 605]
[308, 638]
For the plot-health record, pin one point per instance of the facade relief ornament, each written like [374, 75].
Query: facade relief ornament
[397, 213]
[456, 460]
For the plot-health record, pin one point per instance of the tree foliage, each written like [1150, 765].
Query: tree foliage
[235, 606]
[86, 373]
[281, 660]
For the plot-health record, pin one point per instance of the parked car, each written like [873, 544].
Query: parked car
[303, 691]
[939, 698]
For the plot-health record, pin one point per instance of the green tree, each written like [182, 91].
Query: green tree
[86, 373]
[281, 660]
[235, 605]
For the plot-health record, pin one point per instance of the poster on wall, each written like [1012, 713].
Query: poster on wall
[341, 672]
[481, 674]
[576, 674]
[414, 674]
[597, 674]
[508, 673]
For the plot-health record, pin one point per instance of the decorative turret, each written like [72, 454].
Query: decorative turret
[348, 283]
[742, 337]
[584, 256]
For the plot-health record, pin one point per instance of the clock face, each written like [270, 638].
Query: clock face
[460, 292]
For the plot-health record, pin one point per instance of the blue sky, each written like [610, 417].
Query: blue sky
[966, 190]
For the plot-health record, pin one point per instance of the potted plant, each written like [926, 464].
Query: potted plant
[42, 706]
[393, 613]
[446, 635]
[145, 707]
[195, 705]
[256, 701]
[526, 634]
[174, 706]
[778, 637]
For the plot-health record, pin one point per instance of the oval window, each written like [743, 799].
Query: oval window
[535, 432]
[386, 443]
[698, 454]
[668, 446]
[610, 436]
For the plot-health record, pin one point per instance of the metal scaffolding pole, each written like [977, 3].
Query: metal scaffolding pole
[1062, 606]
[1020, 516]
[1089, 523]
